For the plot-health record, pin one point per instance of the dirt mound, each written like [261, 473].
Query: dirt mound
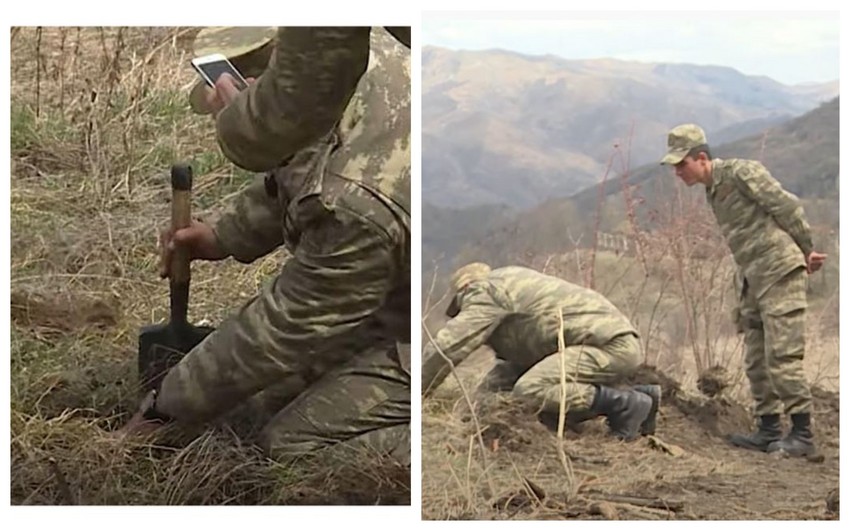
[713, 381]
[506, 422]
[517, 424]
[650, 375]
[717, 416]
[712, 410]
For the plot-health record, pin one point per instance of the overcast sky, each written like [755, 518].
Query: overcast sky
[792, 48]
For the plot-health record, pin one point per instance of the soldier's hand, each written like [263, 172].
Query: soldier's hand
[199, 238]
[814, 261]
[226, 89]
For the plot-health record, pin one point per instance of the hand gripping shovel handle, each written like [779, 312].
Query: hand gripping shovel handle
[181, 217]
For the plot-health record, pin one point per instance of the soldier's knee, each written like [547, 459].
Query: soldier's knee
[388, 442]
[632, 361]
[629, 352]
[392, 442]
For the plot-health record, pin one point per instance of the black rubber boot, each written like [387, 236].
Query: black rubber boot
[800, 441]
[768, 432]
[654, 392]
[624, 410]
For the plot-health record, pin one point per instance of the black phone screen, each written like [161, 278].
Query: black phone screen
[214, 70]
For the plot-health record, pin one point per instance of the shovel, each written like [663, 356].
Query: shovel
[162, 346]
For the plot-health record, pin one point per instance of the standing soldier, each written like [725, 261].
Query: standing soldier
[515, 311]
[771, 242]
[329, 118]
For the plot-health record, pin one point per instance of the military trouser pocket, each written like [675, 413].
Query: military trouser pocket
[787, 295]
[785, 308]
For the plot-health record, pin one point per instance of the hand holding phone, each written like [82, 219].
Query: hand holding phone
[211, 67]
[223, 80]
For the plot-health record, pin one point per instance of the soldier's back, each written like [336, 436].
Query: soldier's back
[535, 301]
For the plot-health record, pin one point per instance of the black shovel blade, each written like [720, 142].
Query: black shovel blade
[162, 346]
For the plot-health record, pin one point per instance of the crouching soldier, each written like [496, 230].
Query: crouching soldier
[515, 311]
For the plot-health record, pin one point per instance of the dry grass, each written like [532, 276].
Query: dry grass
[98, 117]
[687, 466]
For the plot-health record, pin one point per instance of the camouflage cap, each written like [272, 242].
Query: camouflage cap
[247, 48]
[469, 273]
[681, 140]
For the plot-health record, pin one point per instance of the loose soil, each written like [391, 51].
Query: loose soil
[687, 471]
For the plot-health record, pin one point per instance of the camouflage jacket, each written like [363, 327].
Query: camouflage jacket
[763, 224]
[515, 312]
[335, 106]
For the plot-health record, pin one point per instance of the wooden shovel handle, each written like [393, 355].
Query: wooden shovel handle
[181, 217]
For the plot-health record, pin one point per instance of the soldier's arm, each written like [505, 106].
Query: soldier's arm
[311, 77]
[251, 228]
[465, 333]
[311, 319]
[784, 206]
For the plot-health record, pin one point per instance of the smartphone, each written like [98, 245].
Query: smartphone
[210, 67]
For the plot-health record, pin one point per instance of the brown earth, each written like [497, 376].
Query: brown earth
[687, 471]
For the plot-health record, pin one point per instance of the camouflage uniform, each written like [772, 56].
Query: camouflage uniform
[331, 119]
[770, 240]
[769, 237]
[515, 311]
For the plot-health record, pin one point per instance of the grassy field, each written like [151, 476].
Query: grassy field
[98, 116]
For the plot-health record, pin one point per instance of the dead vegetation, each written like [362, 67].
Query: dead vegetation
[686, 471]
[98, 115]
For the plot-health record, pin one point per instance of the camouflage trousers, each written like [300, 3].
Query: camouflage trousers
[774, 327]
[363, 406]
[328, 323]
[585, 367]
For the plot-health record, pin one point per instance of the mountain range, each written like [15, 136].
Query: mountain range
[500, 127]
[802, 153]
